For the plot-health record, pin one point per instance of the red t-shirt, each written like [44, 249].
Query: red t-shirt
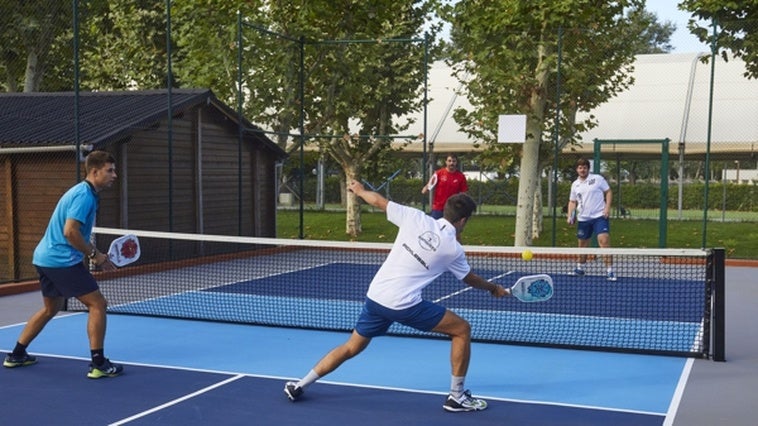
[448, 183]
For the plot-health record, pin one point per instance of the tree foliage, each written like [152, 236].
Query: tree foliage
[512, 49]
[354, 92]
[35, 42]
[123, 45]
[363, 69]
[737, 23]
[655, 36]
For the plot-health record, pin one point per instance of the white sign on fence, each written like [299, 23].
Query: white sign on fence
[511, 128]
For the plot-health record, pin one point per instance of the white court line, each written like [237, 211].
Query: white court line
[61, 314]
[176, 401]
[678, 393]
[468, 288]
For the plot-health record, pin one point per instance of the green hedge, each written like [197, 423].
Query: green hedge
[640, 195]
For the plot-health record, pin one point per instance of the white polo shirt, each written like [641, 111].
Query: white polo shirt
[589, 195]
[423, 250]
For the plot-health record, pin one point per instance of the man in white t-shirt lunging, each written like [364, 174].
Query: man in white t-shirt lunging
[424, 249]
[590, 203]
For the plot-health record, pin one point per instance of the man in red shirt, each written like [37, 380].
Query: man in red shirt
[450, 181]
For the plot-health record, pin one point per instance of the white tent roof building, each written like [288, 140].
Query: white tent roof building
[669, 99]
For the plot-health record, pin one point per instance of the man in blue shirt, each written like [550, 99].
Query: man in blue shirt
[59, 258]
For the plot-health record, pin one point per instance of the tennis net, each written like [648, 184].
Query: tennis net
[663, 301]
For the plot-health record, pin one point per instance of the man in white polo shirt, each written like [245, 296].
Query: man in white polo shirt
[590, 204]
[424, 248]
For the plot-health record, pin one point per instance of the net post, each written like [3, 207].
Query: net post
[718, 289]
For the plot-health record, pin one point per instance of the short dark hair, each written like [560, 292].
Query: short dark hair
[98, 159]
[582, 162]
[459, 206]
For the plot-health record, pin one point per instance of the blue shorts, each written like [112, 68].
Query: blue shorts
[71, 281]
[375, 319]
[596, 226]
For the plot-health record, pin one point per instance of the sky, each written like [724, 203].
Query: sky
[682, 40]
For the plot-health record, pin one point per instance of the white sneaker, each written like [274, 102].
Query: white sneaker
[465, 403]
[293, 391]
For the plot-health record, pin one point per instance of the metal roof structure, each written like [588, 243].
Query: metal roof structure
[46, 120]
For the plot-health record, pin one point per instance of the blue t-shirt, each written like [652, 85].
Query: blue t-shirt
[78, 203]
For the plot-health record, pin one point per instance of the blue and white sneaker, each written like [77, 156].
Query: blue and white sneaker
[611, 276]
[293, 391]
[465, 403]
[579, 272]
[108, 369]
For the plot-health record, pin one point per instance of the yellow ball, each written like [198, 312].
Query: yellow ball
[527, 255]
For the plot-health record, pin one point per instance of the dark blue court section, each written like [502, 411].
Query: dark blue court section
[654, 299]
[56, 391]
[261, 401]
[340, 281]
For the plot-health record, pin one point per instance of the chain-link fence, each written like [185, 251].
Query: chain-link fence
[200, 127]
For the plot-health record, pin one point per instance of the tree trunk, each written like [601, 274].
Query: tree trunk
[529, 174]
[528, 183]
[353, 207]
[30, 78]
[537, 216]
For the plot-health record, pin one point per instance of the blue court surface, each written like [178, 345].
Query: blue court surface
[180, 372]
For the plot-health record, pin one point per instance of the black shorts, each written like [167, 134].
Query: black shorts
[71, 281]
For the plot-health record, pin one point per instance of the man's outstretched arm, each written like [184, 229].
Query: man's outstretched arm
[373, 198]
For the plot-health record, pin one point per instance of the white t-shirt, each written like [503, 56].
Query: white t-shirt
[423, 250]
[589, 195]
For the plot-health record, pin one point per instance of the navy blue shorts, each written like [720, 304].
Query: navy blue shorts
[71, 281]
[375, 319]
[597, 226]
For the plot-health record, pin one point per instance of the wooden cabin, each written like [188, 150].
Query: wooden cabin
[201, 170]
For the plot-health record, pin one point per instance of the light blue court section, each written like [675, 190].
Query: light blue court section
[643, 383]
[556, 328]
[250, 308]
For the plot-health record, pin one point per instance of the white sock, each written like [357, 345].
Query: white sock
[580, 266]
[610, 269]
[308, 379]
[456, 386]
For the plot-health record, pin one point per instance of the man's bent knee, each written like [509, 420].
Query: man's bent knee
[94, 300]
[453, 325]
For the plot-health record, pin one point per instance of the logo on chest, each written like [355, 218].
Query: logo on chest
[429, 241]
